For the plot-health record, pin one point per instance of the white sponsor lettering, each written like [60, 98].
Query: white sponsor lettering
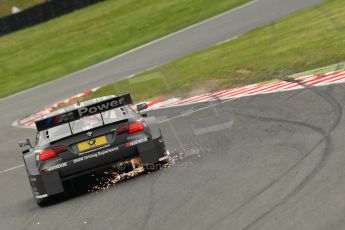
[104, 106]
[92, 110]
[77, 160]
[90, 156]
[139, 141]
[101, 107]
[86, 157]
[116, 103]
[57, 166]
[95, 155]
[81, 111]
[100, 153]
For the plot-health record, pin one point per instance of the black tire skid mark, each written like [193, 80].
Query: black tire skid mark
[323, 133]
[328, 148]
[267, 119]
[325, 138]
[337, 109]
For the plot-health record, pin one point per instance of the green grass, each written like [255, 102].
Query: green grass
[305, 40]
[88, 36]
[6, 5]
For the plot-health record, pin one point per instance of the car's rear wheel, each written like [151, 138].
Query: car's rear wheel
[50, 200]
[156, 166]
[41, 201]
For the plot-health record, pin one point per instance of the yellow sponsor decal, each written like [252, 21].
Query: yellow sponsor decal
[92, 143]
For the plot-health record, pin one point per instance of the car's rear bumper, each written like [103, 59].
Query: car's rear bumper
[50, 182]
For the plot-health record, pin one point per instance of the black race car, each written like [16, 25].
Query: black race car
[91, 136]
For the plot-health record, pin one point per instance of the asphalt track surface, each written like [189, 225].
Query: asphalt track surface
[262, 162]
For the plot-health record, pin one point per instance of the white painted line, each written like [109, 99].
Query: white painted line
[253, 89]
[203, 108]
[190, 113]
[13, 168]
[227, 40]
[231, 99]
[173, 34]
[138, 48]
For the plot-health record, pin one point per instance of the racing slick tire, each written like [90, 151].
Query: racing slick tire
[50, 200]
[156, 166]
[41, 201]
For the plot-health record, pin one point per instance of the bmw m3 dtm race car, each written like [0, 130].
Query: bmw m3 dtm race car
[88, 137]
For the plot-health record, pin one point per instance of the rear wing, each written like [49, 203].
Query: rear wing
[84, 111]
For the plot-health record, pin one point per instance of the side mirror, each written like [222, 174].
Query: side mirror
[141, 106]
[24, 143]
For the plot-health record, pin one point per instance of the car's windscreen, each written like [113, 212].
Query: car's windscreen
[84, 124]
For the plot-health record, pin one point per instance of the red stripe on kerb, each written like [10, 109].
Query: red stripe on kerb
[340, 77]
[318, 78]
[154, 102]
[86, 92]
[60, 103]
[216, 95]
[263, 88]
[283, 85]
[237, 91]
[321, 78]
